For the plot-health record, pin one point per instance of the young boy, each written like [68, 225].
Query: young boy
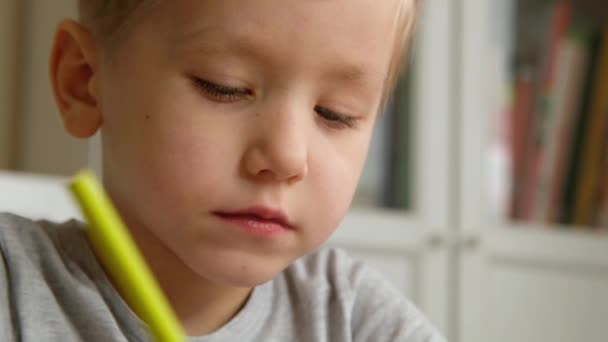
[234, 133]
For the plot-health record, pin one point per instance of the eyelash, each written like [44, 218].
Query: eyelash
[226, 94]
[335, 119]
[222, 93]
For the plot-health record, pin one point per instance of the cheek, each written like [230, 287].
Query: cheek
[185, 162]
[335, 176]
[170, 163]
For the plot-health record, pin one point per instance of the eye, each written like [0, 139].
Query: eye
[221, 93]
[336, 120]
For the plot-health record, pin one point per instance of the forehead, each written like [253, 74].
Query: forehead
[291, 15]
[357, 34]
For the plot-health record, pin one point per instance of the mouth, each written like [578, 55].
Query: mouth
[258, 220]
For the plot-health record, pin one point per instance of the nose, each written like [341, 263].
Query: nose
[277, 150]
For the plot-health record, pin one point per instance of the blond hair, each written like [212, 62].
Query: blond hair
[406, 21]
[108, 19]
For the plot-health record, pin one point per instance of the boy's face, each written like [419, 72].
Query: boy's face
[212, 108]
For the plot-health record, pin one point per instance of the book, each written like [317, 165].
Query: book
[572, 169]
[602, 210]
[559, 25]
[519, 127]
[596, 132]
[566, 96]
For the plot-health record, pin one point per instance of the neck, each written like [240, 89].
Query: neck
[200, 305]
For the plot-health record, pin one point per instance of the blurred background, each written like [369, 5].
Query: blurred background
[485, 195]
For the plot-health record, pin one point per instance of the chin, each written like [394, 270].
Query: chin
[249, 282]
[247, 278]
[245, 273]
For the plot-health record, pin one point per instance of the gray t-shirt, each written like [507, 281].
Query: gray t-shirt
[53, 289]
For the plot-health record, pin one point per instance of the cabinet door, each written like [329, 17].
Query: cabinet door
[410, 245]
[522, 285]
[523, 276]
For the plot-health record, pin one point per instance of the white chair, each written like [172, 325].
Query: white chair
[37, 196]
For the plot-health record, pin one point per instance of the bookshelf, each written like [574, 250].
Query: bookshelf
[533, 277]
[411, 239]
[555, 116]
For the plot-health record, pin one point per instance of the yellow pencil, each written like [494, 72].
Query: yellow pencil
[121, 257]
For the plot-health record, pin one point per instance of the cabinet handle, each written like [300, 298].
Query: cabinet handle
[467, 242]
[435, 240]
[470, 242]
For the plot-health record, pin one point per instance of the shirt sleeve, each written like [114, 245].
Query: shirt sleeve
[383, 314]
[6, 326]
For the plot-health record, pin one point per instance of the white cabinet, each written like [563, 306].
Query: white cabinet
[412, 246]
[522, 285]
[527, 281]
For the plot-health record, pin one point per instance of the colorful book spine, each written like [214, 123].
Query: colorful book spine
[573, 170]
[602, 212]
[595, 136]
[568, 97]
[519, 131]
[560, 22]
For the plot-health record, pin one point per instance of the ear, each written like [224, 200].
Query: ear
[73, 68]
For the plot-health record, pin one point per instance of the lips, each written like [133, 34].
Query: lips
[262, 215]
